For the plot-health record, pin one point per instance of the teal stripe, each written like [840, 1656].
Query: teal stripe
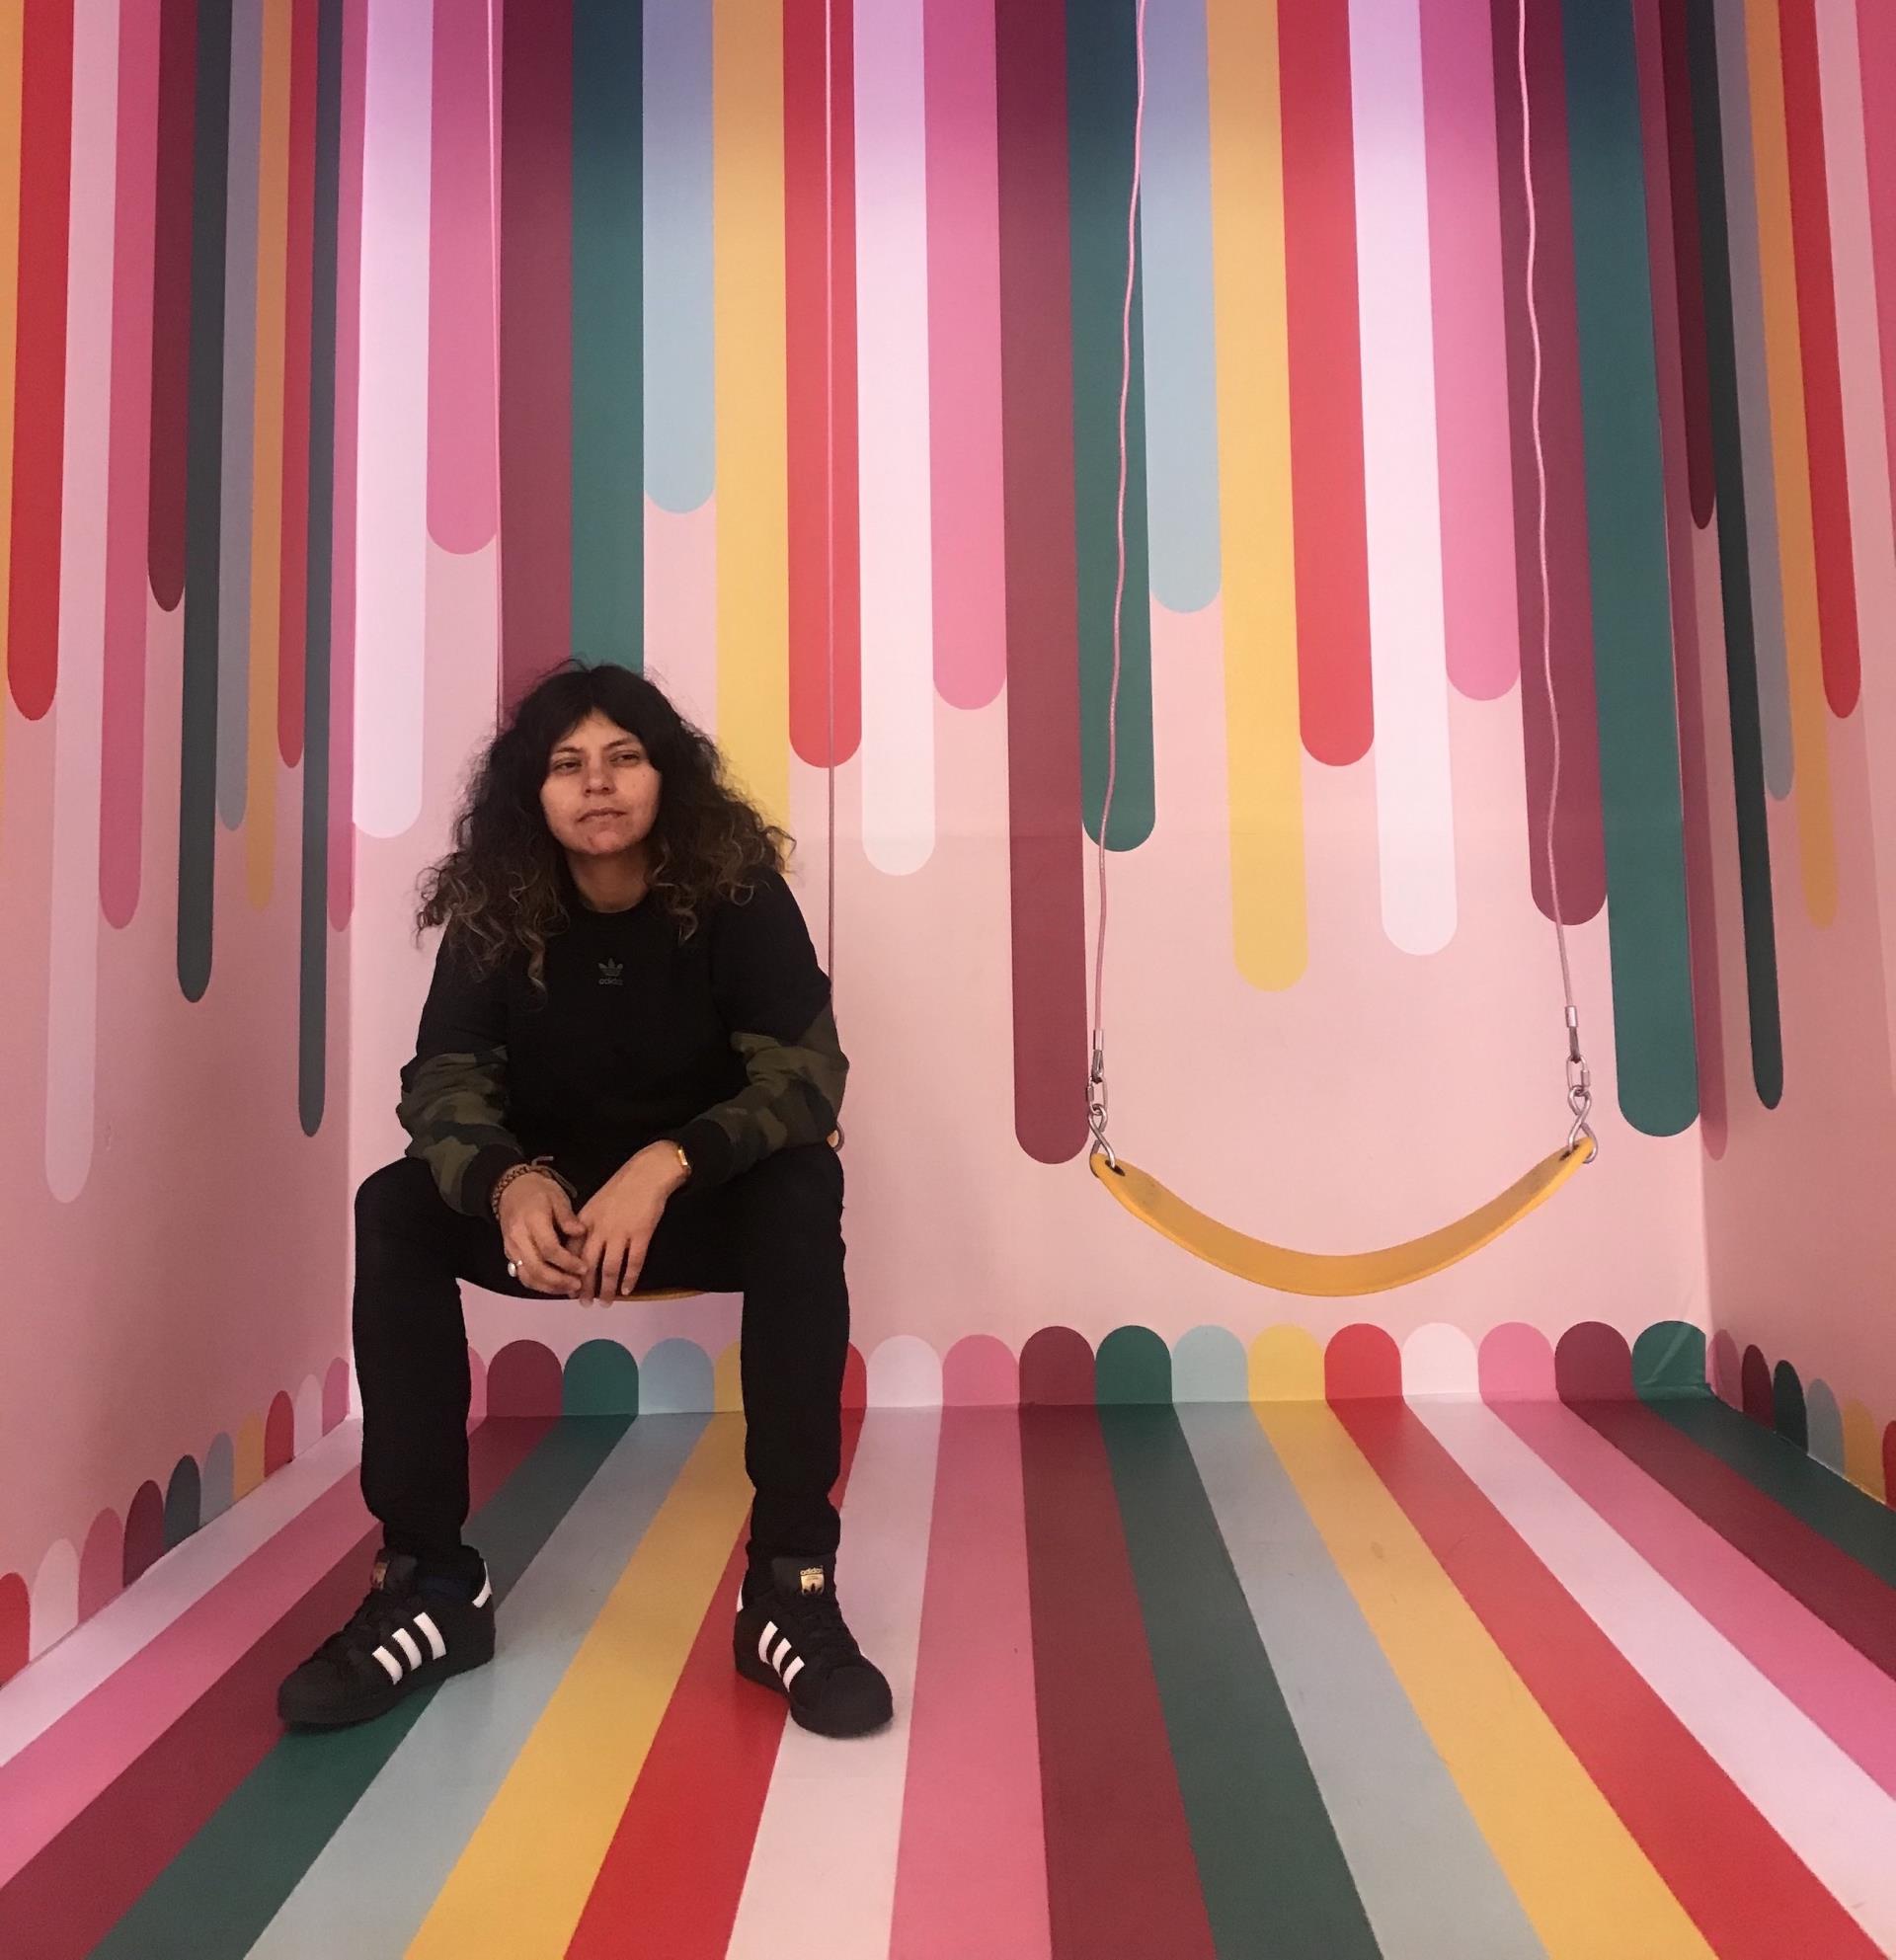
[1749, 747]
[608, 324]
[680, 431]
[313, 1012]
[1640, 800]
[1851, 1519]
[381, 1874]
[1429, 1881]
[1738, 196]
[1180, 369]
[216, 1897]
[1274, 1876]
[1101, 72]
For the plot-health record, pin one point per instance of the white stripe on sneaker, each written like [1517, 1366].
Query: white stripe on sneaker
[783, 1647]
[792, 1672]
[425, 1625]
[487, 1589]
[394, 1669]
[406, 1641]
[764, 1639]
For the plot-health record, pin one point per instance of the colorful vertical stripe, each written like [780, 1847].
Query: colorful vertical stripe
[747, 329]
[1401, 478]
[391, 498]
[608, 320]
[535, 91]
[1321, 262]
[1257, 542]
[1046, 900]
[1644, 825]
[891, 301]
[1101, 78]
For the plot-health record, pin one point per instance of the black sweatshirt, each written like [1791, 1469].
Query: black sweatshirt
[721, 1040]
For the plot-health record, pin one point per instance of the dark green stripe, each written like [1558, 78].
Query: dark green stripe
[204, 503]
[1640, 802]
[312, 1016]
[609, 325]
[1669, 1359]
[1101, 76]
[1274, 1876]
[1851, 1519]
[1734, 550]
[216, 1897]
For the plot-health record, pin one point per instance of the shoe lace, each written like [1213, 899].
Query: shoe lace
[366, 1628]
[823, 1634]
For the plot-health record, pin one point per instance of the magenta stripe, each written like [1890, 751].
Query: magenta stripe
[964, 353]
[1474, 448]
[56, 1776]
[1708, 1003]
[1850, 1698]
[463, 499]
[970, 1876]
[1876, 41]
[121, 776]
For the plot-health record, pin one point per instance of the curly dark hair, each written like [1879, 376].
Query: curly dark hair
[504, 888]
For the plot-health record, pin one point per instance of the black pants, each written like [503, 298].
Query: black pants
[773, 1234]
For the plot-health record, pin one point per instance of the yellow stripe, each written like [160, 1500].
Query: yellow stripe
[523, 1880]
[12, 27]
[1585, 1884]
[1790, 453]
[753, 445]
[1864, 1449]
[247, 1458]
[726, 1382]
[1264, 762]
[267, 448]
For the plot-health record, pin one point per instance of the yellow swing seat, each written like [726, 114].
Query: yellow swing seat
[1334, 1275]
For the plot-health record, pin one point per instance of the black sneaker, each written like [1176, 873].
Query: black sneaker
[790, 1636]
[414, 1629]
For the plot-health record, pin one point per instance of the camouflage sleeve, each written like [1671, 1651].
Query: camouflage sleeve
[453, 1102]
[794, 1096]
[773, 998]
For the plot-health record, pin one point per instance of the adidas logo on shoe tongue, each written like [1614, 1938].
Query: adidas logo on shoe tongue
[809, 1578]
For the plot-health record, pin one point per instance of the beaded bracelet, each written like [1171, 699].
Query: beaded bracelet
[540, 1166]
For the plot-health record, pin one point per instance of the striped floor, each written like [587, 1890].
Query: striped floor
[1436, 1679]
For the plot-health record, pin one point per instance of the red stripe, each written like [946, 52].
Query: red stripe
[85, 1881]
[677, 1864]
[342, 569]
[1675, 412]
[1579, 841]
[1327, 384]
[536, 342]
[1046, 893]
[1846, 1595]
[170, 298]
[40, 386]
[293, 598]
[1823, 377]
[1121, 1877]
[1688, 265]
[1744, 1888]
[810, 401]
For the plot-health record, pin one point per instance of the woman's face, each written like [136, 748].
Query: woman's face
[600, 796]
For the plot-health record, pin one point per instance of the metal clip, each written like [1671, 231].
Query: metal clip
[1096, 1104]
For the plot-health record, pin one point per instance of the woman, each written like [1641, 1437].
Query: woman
[627, 1079]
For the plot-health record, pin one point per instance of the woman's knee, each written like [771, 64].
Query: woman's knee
[396, 1199]
[801, 1185]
